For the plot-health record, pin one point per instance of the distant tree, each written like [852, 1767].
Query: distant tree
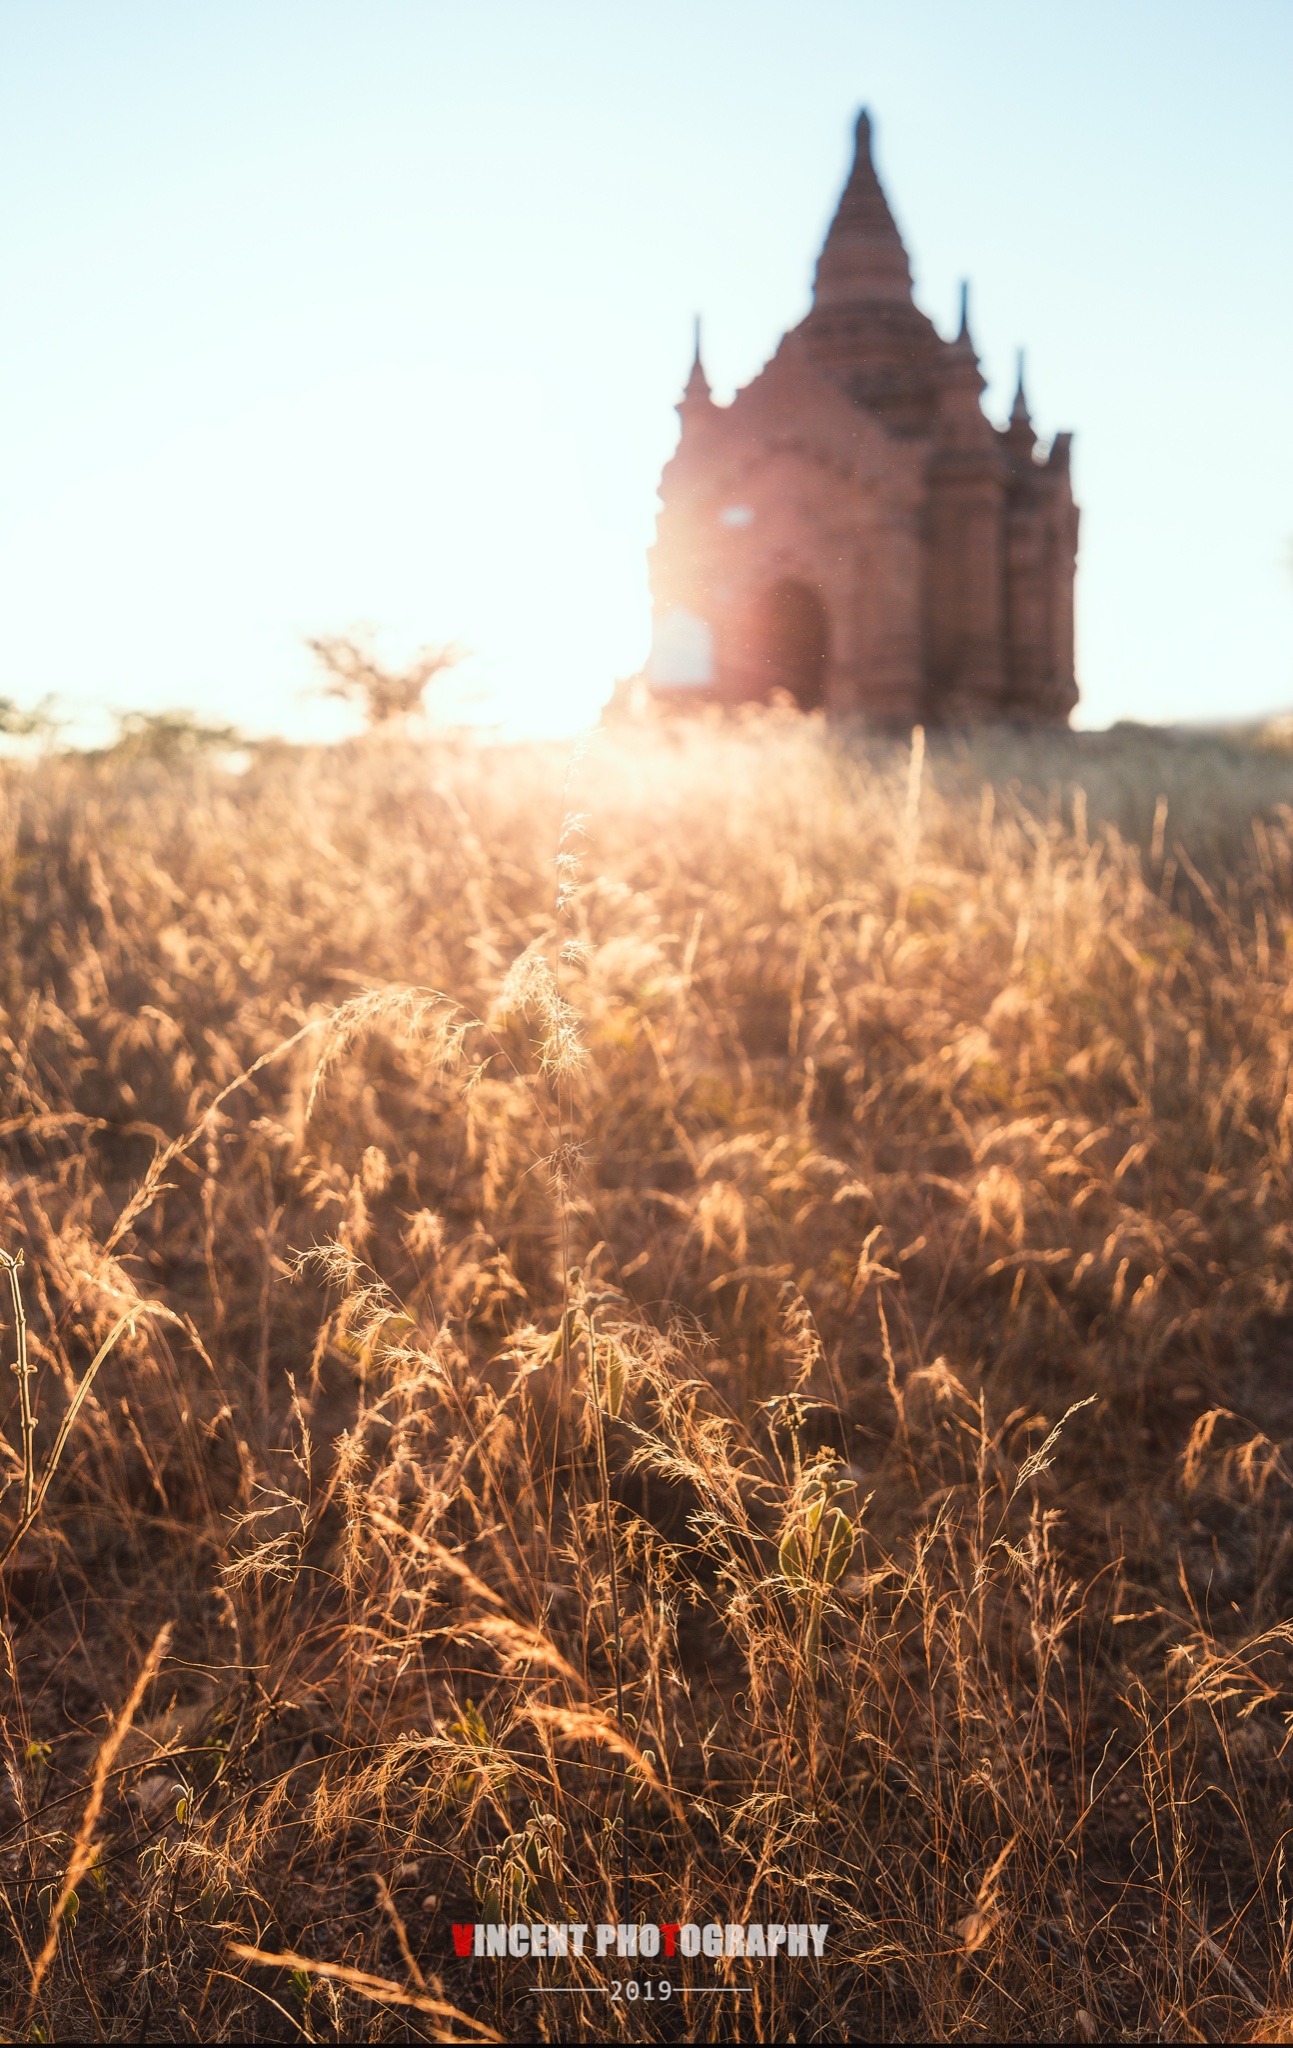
[23, 724]
[169, 736]
[384, 695]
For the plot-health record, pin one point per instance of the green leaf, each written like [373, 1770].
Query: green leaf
[790, 1558]
[470, 1727]
[47, 1899]
[488, 1886]
[839, 1547]
[558, 1346]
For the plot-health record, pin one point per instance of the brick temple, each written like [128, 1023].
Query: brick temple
[852, 528]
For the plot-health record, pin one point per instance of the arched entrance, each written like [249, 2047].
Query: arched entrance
[792, 636]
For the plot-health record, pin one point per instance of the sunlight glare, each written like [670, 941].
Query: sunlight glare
[431, 503]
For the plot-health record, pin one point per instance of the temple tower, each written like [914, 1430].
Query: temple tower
[853, 529]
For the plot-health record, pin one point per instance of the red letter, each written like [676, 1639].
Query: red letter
[669, 1930]
[462, 1939]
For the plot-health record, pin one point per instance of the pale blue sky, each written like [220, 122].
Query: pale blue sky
[323, 312]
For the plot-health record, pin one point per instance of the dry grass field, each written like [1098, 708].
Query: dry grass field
[727, 1307]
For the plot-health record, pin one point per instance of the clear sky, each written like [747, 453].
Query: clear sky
[329, 311]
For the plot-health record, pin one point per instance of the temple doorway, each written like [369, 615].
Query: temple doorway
[792, 639]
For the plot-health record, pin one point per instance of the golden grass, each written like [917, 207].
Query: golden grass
[733, 1300]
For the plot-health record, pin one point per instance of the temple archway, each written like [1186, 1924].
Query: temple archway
[792, 640]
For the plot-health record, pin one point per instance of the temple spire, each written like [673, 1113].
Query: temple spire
[696, 390]
[962, 359]
[862, 258]
[964, 343]
[1019, 416]
[1020, 431]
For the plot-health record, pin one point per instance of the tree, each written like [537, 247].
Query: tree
[169, 737]
[23, 724]
[383, 694]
